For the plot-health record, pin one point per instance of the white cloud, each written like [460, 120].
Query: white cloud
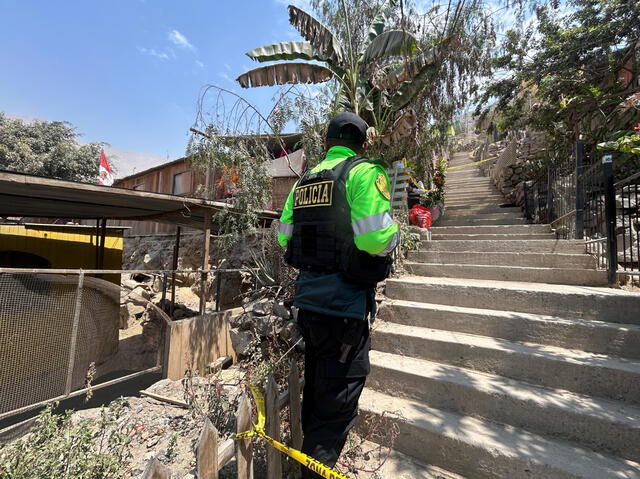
[179, 39]
[225, 76]
[153, 52]
[227, 66]
[199, 63]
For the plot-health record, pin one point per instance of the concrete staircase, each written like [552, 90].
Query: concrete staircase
[503, 354]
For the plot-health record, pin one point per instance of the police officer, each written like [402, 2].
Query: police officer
[338, 231]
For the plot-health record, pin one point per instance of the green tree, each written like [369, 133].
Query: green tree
[49, 149]
[573, 74]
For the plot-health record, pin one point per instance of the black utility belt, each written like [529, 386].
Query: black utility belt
[315, 269]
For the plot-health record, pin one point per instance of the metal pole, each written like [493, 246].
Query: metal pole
[174, 266]
[205, 261]
[164, 287]
[610, 218]
[579, 189]
[218, 288]
[74, 334]
[527, 213]
[103, 234]
[550, 215]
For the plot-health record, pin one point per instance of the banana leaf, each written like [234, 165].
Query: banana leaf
[286, 51]
[390, 43]
[285, 73]
[410, 89]
[379, 22]
[408, 70]
[316, 33]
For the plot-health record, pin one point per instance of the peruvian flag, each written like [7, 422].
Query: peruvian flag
[105, 176]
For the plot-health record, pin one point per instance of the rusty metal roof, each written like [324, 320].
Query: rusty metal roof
[34, 196]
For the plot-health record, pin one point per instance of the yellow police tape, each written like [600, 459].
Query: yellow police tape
[470, 164]
[301, 457]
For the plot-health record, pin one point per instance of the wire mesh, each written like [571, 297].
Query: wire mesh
[54, 325]
[36, 316]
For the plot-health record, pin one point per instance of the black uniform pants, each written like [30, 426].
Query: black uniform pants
[331, 388]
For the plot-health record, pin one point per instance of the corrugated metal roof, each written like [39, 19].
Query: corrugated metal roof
[33, 196]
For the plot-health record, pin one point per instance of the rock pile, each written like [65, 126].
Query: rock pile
[263, 319]
[139, 290]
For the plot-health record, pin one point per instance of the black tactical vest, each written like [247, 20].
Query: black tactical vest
[322, 238]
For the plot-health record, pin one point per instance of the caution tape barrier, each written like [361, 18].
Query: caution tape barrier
[301, 457]
[470, 164]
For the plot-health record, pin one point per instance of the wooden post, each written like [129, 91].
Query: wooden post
[207, 454]
[174, 266]
[156, 470]
[295, 407]
[274, 460]
[244, 449]
[205, 260]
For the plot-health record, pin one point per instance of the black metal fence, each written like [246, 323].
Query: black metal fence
[577, 196]
[627, 196]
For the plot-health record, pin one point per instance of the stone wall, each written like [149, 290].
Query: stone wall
[509, 169]
[156, 252]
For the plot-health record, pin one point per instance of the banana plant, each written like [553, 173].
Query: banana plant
[376, 82]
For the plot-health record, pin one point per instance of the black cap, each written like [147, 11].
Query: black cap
[347, 126]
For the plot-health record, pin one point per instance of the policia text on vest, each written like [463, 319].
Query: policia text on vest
[317, 194]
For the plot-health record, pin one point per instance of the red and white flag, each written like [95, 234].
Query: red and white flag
[105, 176]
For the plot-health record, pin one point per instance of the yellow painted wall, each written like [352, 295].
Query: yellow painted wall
[64, 246]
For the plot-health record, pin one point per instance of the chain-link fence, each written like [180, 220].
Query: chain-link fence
[64, 332]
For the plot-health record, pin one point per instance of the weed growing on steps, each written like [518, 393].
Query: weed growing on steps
[60, 448]
[368, 448]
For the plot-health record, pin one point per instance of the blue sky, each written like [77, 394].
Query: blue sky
[128, 72]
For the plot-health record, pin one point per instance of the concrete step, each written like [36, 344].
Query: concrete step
[515, 246]
[491, 229]
[621, 340]
[464, 175]
[472, 196]
[537, 260]
[596, 424]
[394, 464]
[582, 302]
[474, 182]
[482, 179]
[467, 204]
[480, 450]
[558, 368]
[497, 236]
[460, 190]
[579, 277]
[480, 219]
[465, 210]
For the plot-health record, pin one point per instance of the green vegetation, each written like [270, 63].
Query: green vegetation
[570, 73]
[49, 149]
[60, 448]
